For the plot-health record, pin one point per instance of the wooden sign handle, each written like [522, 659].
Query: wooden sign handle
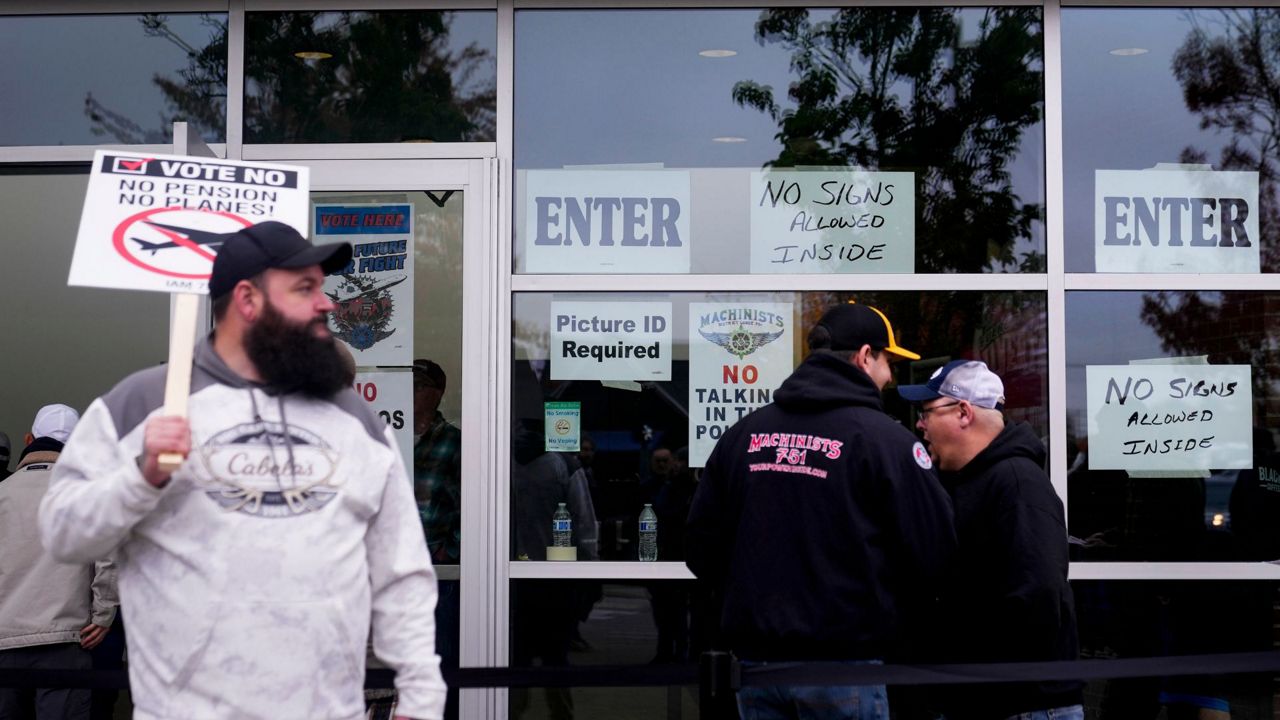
[177, 388]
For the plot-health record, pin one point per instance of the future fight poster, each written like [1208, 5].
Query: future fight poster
[374, 293]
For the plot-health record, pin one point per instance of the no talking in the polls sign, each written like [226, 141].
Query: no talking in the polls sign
[152, 222]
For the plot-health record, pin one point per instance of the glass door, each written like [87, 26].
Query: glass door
[413, 310]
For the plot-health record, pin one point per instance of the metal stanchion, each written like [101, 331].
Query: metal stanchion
[719, 677]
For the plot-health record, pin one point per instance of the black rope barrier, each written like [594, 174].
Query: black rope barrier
[724, 674]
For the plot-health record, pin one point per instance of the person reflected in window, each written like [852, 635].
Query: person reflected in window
[437, 487]
[1010, 601]
[587, 458]
[542, 480]
[437, 465]
[671, 600]
[546, 613]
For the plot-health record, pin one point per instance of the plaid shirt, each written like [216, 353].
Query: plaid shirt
[437, 485]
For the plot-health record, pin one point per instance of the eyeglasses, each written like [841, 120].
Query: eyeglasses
[924, 411]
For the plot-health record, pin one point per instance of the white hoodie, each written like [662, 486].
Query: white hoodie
[249, 582]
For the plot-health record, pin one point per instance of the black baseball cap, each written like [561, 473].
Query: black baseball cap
[271, 244]
[851, 326]
[429, 371]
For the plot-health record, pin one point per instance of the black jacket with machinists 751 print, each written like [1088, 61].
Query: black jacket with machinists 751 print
[818, 519]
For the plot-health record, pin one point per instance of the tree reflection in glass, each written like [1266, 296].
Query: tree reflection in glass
[326, 77]
[1228, 67]
[197, 96]
[365, 77]
[910, 89]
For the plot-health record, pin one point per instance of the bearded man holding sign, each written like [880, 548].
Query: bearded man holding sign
[249, 575]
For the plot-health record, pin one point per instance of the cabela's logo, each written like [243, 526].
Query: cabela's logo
[364, 310]
[269, 470]
[741, 331]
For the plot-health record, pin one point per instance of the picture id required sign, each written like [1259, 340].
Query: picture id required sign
[1170, 417]
[1176, 221]
[610, 341]
[152, 222]
[833, 221]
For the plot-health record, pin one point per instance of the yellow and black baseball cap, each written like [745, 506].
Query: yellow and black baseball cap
[851, 326]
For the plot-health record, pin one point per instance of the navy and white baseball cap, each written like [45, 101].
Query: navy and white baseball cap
[968, 380]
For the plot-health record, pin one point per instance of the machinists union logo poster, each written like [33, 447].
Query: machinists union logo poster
[739, 353]
[374, 293]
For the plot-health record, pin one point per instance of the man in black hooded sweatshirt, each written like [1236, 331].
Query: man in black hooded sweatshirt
[1010, 600]
[818, 521]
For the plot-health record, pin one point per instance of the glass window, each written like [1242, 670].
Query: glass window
[1170, 419]
[351, 77]
[114, 79]
[1134, 619]
[787, 140]
[63, 344]
[1168, 140]
[604, 436]
[582, 622]
[399, 314]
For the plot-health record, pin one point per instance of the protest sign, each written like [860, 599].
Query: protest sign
[610, 341]
[390, 397]
[832, 221]
[739, 353]
[155, 222]
[1169, 417]
[603, 221]
[373, 295]
[152, 222]
[1169, 220]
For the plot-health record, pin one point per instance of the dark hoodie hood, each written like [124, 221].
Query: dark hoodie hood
[40, 445]
[824, 381]
[1016, 440]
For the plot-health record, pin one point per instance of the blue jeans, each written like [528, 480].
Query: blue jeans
[1071, 712]
[837, 702]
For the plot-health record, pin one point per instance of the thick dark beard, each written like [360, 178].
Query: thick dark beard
[290, 358]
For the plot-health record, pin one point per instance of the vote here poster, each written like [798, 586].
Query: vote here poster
[374, 293]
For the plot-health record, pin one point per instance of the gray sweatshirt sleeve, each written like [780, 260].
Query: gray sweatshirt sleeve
[403, 585]
[96, 494]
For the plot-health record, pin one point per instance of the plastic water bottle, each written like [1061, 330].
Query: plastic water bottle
[648, 534]
[561, 527]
